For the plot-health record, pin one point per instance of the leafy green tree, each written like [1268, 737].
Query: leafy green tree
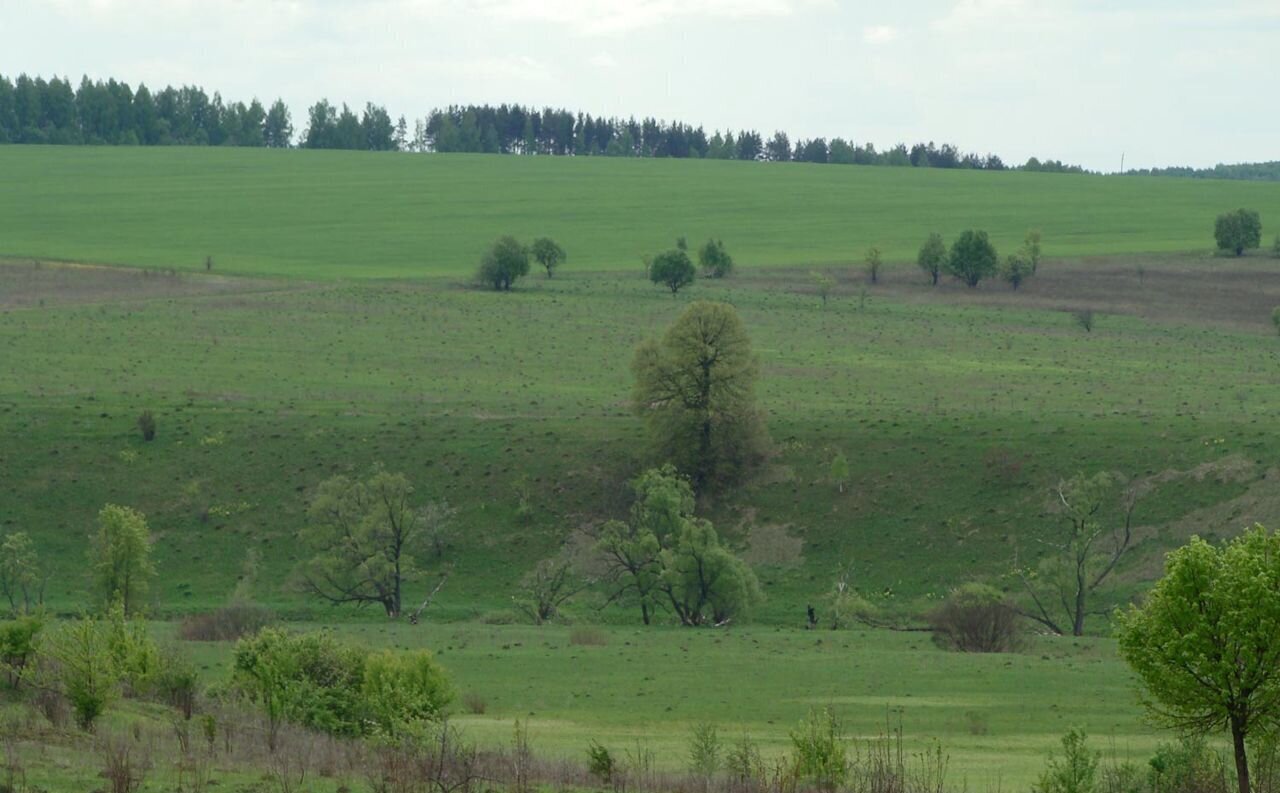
[364, 537]
[874, 263]
[1032, 250]
[1238, 231]
[704, 582]
[120, 558]
[1076, 771]
[696, 390]
[19, 640]
[1016, 270]
[21, 581]
[715, 259]
[840, 470]
[403, 690]
[933, 257]
[818, 751]
[548, 253]
[505, 261]
[972, 257]
[1097, 531]
[672, 269]
[1204, 642]
[81, 667]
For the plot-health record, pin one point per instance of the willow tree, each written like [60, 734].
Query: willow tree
[695, 387]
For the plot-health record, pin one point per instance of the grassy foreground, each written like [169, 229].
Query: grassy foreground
[318, 214]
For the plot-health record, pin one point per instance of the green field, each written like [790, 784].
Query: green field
[326, 215]
[957, 409]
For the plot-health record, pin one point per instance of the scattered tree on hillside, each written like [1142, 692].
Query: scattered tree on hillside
[1016, 270]
[972, 257]
[120, 558]
[21, 581]
[874, 264]
[1097, 531]
[1204, 642]
[1031, 249]
[548, 253]
[825, 284]
[715, 259]
[840, 470]
[665, 558]
[933, 257]
[364, 537]
[672, 269]
[505, 261]
[1238, 231]
[547, 587]
[696, 390]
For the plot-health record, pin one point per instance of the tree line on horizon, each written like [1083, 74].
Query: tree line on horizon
[53, 111]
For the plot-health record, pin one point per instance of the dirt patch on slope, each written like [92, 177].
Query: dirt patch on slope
[33, 284]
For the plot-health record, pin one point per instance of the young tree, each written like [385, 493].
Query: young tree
[120, 558]
[672, 269]
[1204, 642]
[83, 668]
[548, 253]
[1031, 249]
[824, 284]
[505, 261]
[874, 264]
[714, 259]
[696, 390]
[1238, 231]
[840, 470]
[933, 257]
[364, 537]
[547, 587]
[21, 581]
[1097, 530]
[972, 257]
[1016, 270]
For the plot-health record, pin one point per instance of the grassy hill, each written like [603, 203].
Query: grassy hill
[323, 215]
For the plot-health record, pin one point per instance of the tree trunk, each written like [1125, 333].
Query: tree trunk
[1242, 759]
[644, 612]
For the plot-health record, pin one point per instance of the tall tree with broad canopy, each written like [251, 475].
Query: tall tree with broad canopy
[972, 257]
[364, 537]
[505, 261]
[1204, 642]
[696, 390]
[1238, 231]
[548, 253]
[120, 558]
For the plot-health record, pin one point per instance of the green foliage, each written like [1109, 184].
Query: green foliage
[695, 388]
[704, 751]
[818, 750]
[933, 257]
[1188, 766]
[672, 269]
[600, 763]
[21, 579]
[365, 537]
[972, 257]
[403, 690]
[1238, 231]
[1203, 644]
[120, 558]
[76, 659]
[1076, 771]
[548, 253]
[1016, 269]
[703, 581]
[1032, 250]
[505, 261]
[715, 259]
[18, 643]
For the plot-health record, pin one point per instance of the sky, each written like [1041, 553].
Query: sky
[1159, 82]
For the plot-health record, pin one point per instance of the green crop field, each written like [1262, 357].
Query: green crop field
[349, 214]
[337, 330]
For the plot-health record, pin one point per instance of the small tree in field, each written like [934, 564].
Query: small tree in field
[120, 558]
[548, 253]
[1031, 249]
[505, 261]
[972, 258]
[672, 269]
[715, 260]
[840, 470]
[874, 263]
[1238, 231]
[1016, 270]
[933, 257]
[21, 582]
[824, 284]
[1204, 643]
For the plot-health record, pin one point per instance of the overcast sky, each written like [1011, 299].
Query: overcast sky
[1165, 81]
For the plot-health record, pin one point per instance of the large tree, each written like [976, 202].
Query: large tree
[505, 261]
[120, 557]
[364, 537]
[1238, 231]
[972, 257]
[1205, 644]
[696, 390]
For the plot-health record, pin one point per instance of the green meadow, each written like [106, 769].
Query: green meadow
[338, 330]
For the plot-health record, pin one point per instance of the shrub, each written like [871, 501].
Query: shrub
[933, 257]
[1084, 318]
[1238, 231]
[548, 253]
[147, 425]
[975, 618]
[704, 752]
[1017, 269]
[972, 257]
[874, 265]
[176, 682]
[1075, 772]
[77, 662]
[18, 646]
[227, 623]
[715, 260]
[819, 751]
[1189, 766]
[672, 269]
[600, 763]
[404, 689]
[505, 261]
